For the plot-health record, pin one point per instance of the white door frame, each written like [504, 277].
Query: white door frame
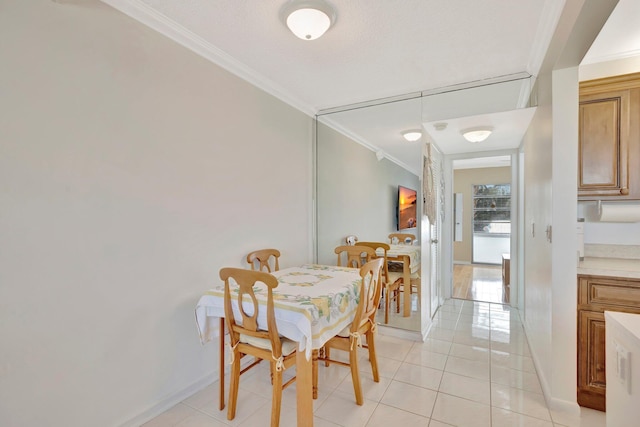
[447, 223]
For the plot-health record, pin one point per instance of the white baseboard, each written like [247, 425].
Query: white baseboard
[556, 405]
[544, 384]
[426, 332]
[170, 401]
[462, 262]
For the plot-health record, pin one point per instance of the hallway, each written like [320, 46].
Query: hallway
[479, 282]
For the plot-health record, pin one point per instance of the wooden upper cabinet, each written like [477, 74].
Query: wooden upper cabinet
[609, 138]
[603, 144]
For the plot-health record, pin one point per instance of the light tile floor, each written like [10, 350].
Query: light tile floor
[474, 369]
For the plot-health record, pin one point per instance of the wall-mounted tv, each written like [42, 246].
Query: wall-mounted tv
[407, 212]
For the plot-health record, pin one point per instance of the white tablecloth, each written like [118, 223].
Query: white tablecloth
[312, 304]
[412, 251]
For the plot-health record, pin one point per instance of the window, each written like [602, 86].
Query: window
[491, 222]
[492, 208]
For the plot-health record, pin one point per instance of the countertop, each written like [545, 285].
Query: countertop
[626, 321]
[612, 267]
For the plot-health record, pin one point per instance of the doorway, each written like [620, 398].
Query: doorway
[482, 188]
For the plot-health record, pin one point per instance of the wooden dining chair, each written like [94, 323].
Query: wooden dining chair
[396, 275]
[264, 259]
[246, 338]
[349, 339]
[356, 256]
[402, 238]
[395, 266]
[390, 283]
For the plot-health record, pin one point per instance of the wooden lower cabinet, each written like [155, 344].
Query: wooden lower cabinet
[595, 295]
[591, 364]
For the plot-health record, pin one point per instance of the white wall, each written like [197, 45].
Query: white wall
[357, 194]
[537, 215]
[131, 170]
[564, 239]
[607, 233]
[550, 182]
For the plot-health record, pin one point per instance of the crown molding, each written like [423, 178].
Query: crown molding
[524, 96]
[550, 16]
[609, 84]
[611, 57]
[148, 16]
[356, 138]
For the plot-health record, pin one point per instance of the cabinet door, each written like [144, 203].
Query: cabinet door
[603, 168]
[591, 360]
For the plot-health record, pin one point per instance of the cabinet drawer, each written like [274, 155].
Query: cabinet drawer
[606, 293]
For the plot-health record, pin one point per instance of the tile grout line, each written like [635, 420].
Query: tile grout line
[433, 408]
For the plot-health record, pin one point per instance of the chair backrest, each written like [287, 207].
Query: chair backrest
[357, 256]
[246, 280]
[263, 258]
[402, 237]
[370, 292]
[384, 248]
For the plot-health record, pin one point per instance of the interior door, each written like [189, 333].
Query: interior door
[433, 186]
[436, 234]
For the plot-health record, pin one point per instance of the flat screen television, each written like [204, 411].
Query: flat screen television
[407, 212]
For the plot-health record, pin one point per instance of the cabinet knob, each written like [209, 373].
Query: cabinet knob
[624, 191]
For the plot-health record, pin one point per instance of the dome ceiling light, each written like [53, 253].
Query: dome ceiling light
[412, 135]
[477, 134]
[308, 19]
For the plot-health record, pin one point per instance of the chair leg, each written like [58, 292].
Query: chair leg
[271, 370]
[371, 344]
[397, 291]
[326, 356]
[233, 385]
[387, 305]
[355, 375]
[276, 400]
[221, 367]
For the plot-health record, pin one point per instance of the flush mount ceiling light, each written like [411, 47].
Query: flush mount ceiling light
[308, 19]
[477, 134]
[412, 135]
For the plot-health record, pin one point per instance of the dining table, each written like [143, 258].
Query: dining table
[409, 256]
[312, 304]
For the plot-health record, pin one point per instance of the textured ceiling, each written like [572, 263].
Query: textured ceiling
[383, 48]
[374, 50]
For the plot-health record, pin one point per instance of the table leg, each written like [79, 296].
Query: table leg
[221, 367]
[406, 277]
[304, 390]
[314, 367]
